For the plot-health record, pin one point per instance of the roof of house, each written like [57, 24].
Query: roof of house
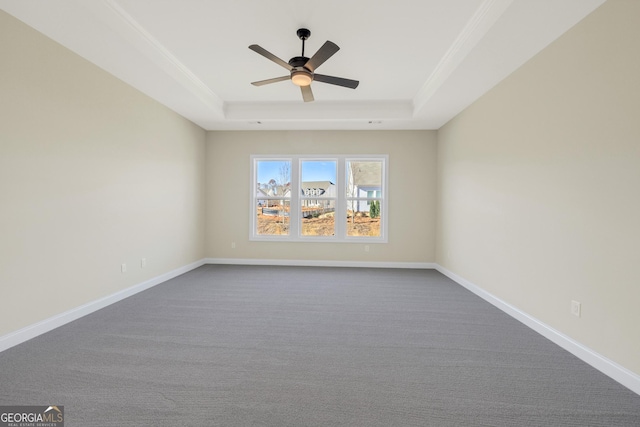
[316, 184]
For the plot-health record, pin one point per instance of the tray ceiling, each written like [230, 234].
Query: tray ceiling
[419, 62]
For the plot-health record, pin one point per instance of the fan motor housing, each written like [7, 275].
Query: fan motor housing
[298, 61]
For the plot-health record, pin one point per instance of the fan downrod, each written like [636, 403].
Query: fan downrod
[303, 34]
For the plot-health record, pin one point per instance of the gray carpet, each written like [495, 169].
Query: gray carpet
[297, 346]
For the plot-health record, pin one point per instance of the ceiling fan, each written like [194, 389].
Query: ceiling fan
[302, 69]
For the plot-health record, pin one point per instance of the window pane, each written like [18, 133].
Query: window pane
[317, 193]
[274, 178]
[364, 191]
[365, 223]
[273, 218]
[318, 217]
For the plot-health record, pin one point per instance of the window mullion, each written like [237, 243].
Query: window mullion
[294, 210]
[341, 205]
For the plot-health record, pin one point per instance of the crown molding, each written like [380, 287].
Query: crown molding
[480, 23]
[130, 30]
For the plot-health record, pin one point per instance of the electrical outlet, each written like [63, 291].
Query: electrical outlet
[143, 263]
[576, 308]
[233, 245]
[366, 248]
[123, 268]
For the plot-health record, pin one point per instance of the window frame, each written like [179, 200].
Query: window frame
[341, 199]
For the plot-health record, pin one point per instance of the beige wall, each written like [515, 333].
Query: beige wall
[412, 186]
[92, 174]
[539, 185]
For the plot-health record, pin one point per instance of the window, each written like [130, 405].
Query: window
[364, 188]
[273, 197]
[319, 198]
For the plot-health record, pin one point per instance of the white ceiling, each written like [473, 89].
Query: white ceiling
[419, 62]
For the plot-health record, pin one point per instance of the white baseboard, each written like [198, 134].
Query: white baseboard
[608, 367]
[320, 263]
[32, 331]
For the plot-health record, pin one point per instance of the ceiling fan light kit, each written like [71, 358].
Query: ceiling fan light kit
[301, 78]
[302, 69]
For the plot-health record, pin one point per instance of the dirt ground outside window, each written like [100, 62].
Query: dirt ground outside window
[322, 225]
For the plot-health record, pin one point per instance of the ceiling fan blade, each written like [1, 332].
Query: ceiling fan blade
[339, 81]
[269, 81]
[270, 56]
[327, 50]
[307, 94]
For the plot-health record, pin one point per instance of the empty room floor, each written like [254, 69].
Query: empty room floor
[309, 346]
